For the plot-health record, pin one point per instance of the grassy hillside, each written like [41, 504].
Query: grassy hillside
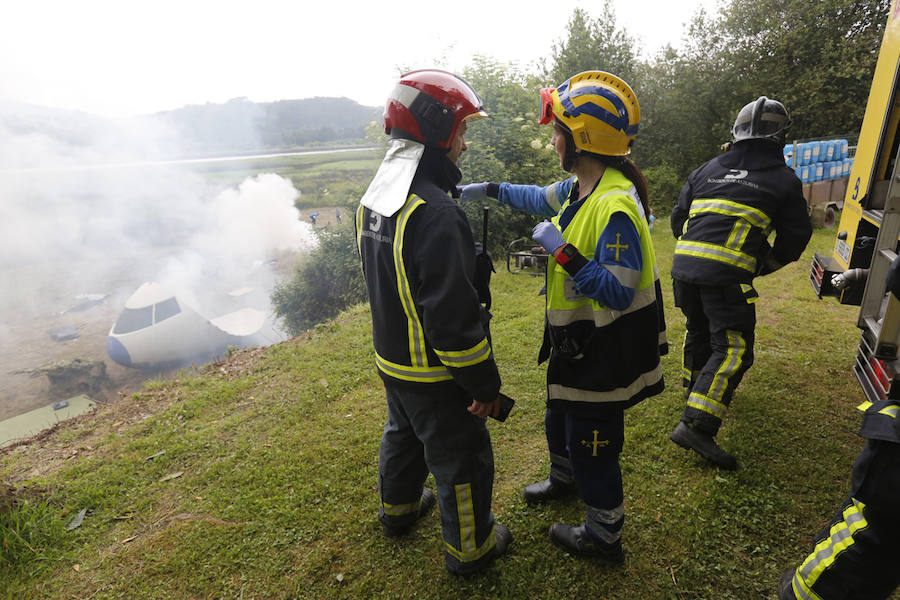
[256, 478]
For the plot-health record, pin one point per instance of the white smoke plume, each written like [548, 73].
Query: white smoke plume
[89, 206]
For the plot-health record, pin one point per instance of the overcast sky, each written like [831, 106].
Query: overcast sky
[121, 58]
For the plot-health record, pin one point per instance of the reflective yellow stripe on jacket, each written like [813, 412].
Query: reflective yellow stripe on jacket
[464, 358]
[415, 332]
[731, 252]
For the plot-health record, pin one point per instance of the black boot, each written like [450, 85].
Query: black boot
[502, 537]
[703, 444]
[577, 540]
[427, 503]
[546, 490]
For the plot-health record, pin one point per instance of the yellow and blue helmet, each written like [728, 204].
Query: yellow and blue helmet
[599, 109]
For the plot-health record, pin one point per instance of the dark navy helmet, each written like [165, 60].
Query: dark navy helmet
[762, 119]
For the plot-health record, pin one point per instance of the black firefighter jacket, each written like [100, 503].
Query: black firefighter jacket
[726, 211]
[419, 266]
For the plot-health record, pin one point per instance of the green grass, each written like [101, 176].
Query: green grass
[278, 453]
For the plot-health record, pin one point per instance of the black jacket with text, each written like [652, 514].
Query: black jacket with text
[428, 325]
[728, 208]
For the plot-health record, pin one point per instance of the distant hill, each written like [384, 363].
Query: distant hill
[240, 125]
[43, 134]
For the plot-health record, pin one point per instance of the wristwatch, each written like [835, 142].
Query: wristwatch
[565, 254]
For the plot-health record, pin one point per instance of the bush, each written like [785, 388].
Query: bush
[328, 280]
[665, 185]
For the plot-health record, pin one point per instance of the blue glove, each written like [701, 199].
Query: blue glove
[547, 235]
[474, 192]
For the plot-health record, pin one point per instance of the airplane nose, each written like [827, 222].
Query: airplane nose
[117, 351]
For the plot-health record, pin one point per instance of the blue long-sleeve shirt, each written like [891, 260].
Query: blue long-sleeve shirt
[612, 276]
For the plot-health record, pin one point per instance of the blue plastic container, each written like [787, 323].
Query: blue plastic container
[815, 152]
[847, 165]
[829, 150]
[805, 153]
[818, 171]
[845, 148]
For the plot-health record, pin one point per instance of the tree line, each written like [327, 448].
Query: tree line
[817, 57]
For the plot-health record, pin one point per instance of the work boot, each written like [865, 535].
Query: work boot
[786, 586]
[577, 541]
[703, 444]
[427, 503]
[502, 540]
[546, 490]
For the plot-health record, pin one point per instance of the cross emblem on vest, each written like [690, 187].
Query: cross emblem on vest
[595, 443]
[618, 246]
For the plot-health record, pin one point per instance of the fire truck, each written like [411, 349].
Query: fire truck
[866, 243]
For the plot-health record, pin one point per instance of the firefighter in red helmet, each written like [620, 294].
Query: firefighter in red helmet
[432, 346]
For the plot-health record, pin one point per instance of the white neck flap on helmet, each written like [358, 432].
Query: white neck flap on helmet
[389, 189]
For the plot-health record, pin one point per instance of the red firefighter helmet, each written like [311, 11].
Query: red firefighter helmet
[428, 105]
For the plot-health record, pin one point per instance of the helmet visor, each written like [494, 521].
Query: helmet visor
[546, 105]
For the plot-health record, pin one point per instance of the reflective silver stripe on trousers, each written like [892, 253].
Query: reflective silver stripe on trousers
[557, 464]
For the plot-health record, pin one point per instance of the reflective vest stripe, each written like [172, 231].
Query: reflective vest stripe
[622, 394]
[715, 252]
[603, 316]
[412, 373]
[416, 335]
[480, 352]
[839, 539]
[753, 216]
[707, 404]
[398, 510]
[468, 550]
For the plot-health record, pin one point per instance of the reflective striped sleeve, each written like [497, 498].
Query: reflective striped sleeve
[613, 276]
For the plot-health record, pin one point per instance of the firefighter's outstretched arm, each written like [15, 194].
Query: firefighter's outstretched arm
[544, 201]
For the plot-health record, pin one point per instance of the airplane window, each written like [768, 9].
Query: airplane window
[133, 319]
[165, 309]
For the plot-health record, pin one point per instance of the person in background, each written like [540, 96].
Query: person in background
[722, 221]
[603, 330]
[432, 349]
[856, 555]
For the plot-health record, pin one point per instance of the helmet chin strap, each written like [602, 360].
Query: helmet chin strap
[570, 153]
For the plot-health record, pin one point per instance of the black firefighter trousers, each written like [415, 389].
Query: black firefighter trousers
[429, 429]
[718, 347]
[856, 556]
